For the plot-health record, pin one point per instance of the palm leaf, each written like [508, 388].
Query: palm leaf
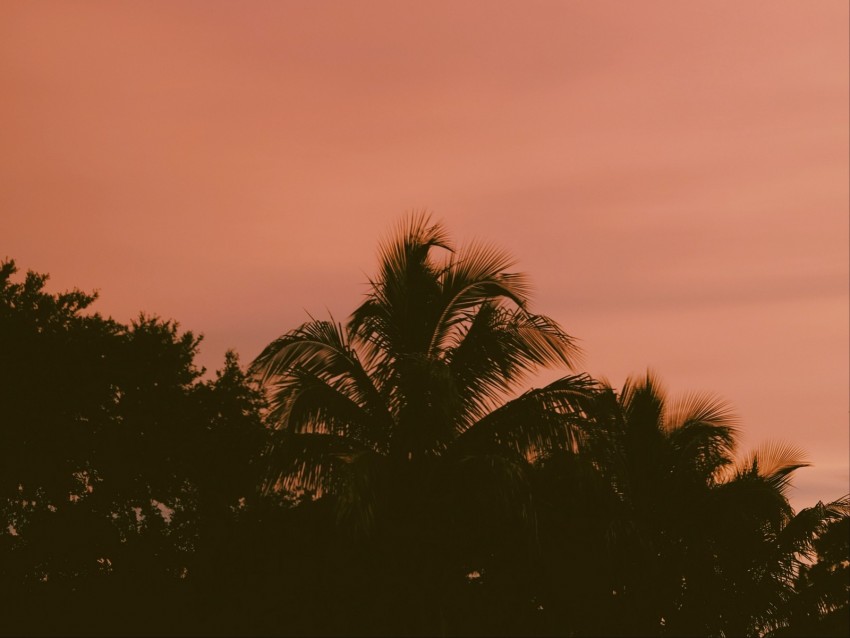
[472, 277]
[775, 462]
[305, 402]
[402, 306]
[702, 430]
[644, 402]
[317, 352]
[542, 419]
[799, 535]
[498, 348]
[308, 462]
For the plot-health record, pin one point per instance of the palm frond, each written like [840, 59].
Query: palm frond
[475, 275]
[542, 419]
[644, 403]
[701, 450]
[314, 354]
[401, 307]
[305, 402]
[308, 462]
[314, 345]
[753, 499]
[702, 430]
[702, 408]
[776, 456]
[410, 241]
[497, 349]
[775, 462]
[800, 533]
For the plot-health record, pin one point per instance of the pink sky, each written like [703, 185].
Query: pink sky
[673, 175]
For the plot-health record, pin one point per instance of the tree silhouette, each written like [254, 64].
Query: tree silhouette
[394, 481]
[820, 605]
[675, 536]
[121, 470]
[395, 412]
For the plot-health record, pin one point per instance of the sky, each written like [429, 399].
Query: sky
[673, 176]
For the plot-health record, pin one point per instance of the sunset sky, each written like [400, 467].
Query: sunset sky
[672, 175]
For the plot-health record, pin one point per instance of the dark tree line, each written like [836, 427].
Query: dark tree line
[376, 478]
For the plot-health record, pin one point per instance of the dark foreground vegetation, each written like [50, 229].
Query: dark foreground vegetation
[377, 477]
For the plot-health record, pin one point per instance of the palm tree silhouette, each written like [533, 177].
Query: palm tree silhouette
[676, 537]
[820, 605]
[617, 514]
[396, 414]
[759, 542]
[417, 377]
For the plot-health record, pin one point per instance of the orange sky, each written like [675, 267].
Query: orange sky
[673, 175]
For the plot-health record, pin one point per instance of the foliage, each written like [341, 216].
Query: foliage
[820, 605]
[396, 413]
[677, 537]
[393, 476]
[121, 468]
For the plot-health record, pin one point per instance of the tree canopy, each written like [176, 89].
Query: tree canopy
[386, 475]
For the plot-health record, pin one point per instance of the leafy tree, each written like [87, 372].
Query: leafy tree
[122, 471]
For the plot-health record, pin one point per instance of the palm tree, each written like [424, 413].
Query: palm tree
[395, 412]
[762, 544]
[654, 528]
[618, 513]
[820, 605]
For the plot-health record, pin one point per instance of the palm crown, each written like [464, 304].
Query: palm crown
[420, 370]
[677, 534]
